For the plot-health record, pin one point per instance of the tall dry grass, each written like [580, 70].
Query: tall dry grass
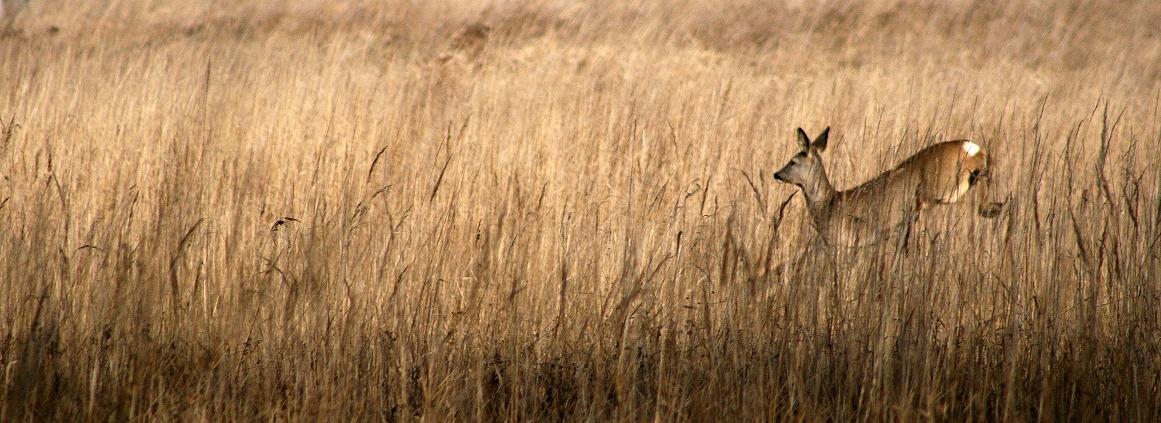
[545, 210]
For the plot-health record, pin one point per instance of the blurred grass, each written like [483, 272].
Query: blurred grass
[540, 210]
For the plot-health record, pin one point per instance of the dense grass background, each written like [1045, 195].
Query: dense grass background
[552, 210]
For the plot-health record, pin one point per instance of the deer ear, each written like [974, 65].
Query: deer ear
[803, 139]
[819, 143]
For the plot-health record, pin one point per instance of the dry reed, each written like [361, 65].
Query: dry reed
[515, 211]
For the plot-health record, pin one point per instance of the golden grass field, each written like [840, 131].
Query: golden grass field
[547, 210]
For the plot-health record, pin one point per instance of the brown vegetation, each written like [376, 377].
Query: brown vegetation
[315, 211]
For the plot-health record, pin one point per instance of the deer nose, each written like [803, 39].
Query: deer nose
[778, 176]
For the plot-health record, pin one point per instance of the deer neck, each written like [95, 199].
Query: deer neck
[819, 193]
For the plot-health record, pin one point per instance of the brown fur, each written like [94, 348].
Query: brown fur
[943, 173]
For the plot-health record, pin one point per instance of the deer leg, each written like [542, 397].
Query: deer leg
[909, 218]
[832, 255]
[905, 235]
[981, 180]
[816, 254]
[792, 268]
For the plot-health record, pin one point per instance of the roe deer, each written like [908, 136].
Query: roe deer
[940, 174]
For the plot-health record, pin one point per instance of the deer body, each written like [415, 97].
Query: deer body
[943, 173]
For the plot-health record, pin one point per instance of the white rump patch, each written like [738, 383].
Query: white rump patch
[971, 148]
